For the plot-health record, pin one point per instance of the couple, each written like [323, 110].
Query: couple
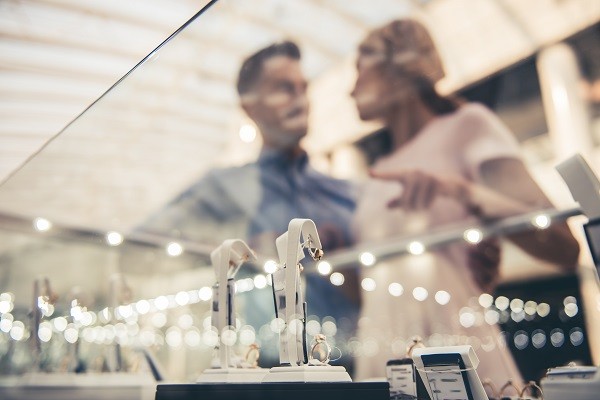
[449, 161]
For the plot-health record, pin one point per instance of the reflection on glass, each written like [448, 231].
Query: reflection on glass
[246, 119]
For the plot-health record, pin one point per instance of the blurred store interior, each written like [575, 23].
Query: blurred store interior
[106, 116]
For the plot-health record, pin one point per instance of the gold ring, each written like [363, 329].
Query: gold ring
[321, 351]
[417, 342]
[314, 252]
[531, 386]
[488, 382]
[252, 355]
[507, 385]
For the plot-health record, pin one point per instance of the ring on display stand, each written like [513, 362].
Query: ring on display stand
[487, 382]
[320, 352]
[507, 385]
[315, 253]
[417, 342]
[532, 386]
[252, 356]
[299, 362]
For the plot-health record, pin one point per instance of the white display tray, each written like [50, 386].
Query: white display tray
[308, 373]
[233, 375]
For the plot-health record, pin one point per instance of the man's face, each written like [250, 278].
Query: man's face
[278, 103]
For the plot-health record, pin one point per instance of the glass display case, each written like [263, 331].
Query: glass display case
[106, 232]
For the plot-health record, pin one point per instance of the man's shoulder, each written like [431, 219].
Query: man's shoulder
[220, 189]
[336, 187]
[220, 177]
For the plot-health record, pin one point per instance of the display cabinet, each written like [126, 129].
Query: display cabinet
[106, 232]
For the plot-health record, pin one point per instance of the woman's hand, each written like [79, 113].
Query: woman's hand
[506, 189]
[420, 189]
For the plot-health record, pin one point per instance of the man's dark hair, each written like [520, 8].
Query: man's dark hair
[252, 66]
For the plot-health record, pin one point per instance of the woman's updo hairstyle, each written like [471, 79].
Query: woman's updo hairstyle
[410, 49]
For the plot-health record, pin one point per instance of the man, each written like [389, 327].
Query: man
[272, 91]
[256, 201]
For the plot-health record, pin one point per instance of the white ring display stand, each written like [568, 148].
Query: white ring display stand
[227, 260]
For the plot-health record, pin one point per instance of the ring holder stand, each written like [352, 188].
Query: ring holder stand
[290, 307]
[296, 379]
[231, 374]
[227, 260]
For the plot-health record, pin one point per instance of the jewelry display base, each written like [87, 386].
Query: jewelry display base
[275, 391]
[308, 373]
[233, 375]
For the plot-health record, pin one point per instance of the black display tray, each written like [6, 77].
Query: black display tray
[272, 391]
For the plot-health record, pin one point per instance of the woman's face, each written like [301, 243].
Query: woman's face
[379, 87]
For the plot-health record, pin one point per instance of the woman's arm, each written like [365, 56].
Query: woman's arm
[506, 190]
[555, 244]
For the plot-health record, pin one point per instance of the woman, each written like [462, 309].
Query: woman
[450, 162]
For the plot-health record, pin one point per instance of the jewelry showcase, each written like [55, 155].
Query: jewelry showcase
[304, 200]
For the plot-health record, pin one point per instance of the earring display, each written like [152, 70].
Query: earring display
[297, 377]
[292, 350]
[227, 260]
[291, 309]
